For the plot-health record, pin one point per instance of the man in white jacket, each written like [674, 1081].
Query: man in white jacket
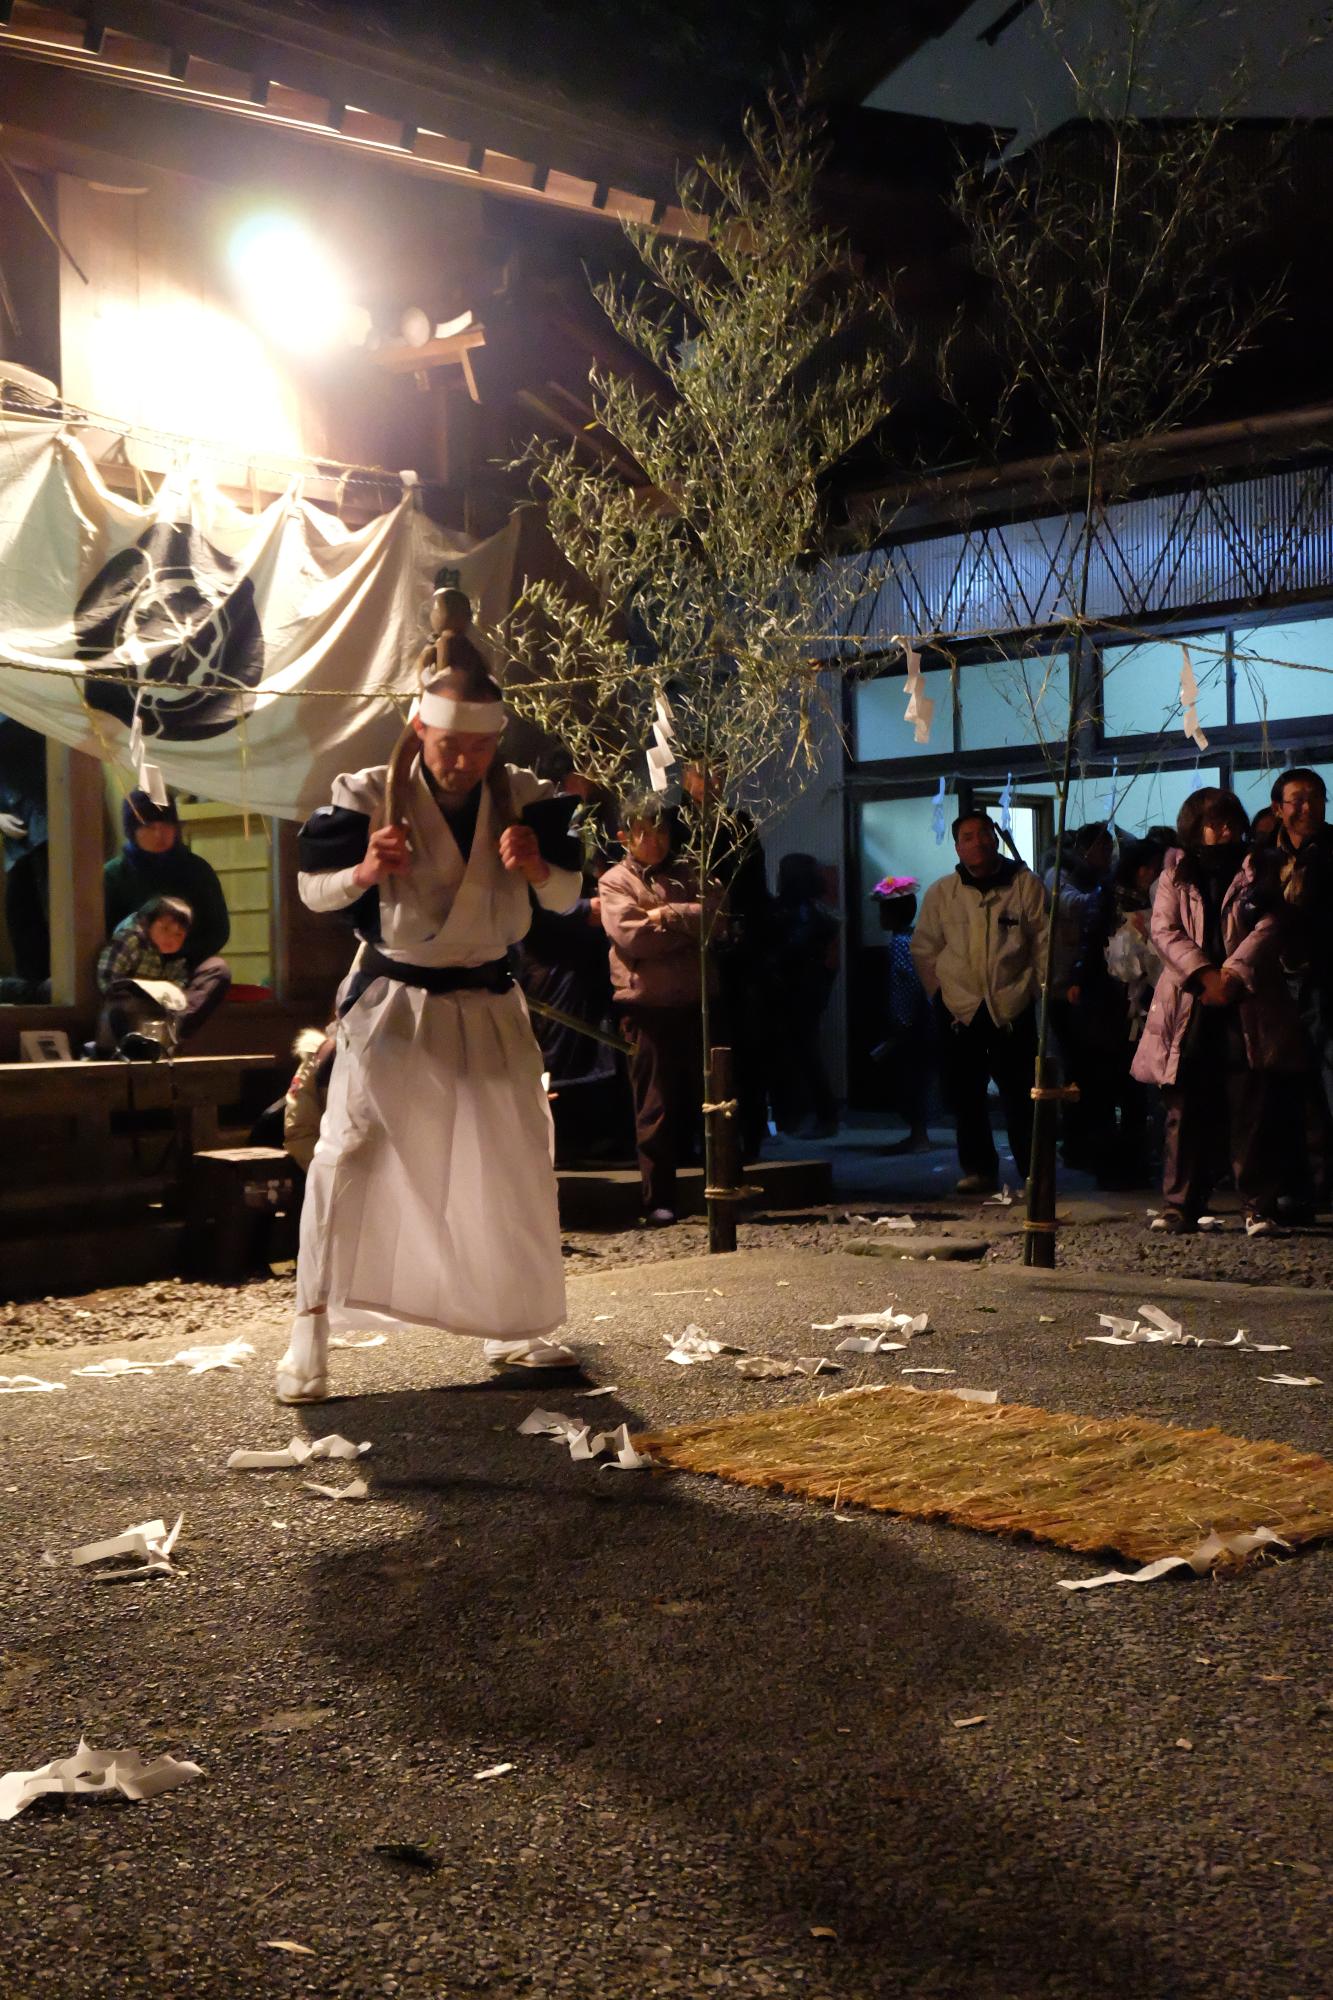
[979, 947]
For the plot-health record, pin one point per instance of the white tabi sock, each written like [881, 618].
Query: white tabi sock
[303, 1370]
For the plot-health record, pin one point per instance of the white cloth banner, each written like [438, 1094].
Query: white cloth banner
[251, 656]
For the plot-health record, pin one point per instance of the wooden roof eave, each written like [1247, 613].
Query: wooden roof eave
[363, 99]
[941, 503]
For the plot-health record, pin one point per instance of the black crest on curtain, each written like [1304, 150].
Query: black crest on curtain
[172, 586]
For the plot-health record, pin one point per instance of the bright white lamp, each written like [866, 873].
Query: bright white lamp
[293, 290]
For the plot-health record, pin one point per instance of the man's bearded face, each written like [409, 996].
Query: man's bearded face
[457, 759]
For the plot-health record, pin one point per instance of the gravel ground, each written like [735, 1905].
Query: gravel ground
[731, 1721]
[1099, 1233]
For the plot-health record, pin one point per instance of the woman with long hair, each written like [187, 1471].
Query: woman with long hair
[1222, 1026]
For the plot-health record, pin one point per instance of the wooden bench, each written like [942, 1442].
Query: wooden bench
[239, 1198]
[96, 1164]
[85, 1096]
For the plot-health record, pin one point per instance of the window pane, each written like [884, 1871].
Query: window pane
[1141, 685]
[1004, 703]
[1275, 693]
[880, 728]
[1142, 799]
[897, 838]
[1254, 788]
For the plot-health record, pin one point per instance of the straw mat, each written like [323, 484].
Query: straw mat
[1121, 1484]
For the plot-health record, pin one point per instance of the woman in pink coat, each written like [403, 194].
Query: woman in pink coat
[1222, 1026]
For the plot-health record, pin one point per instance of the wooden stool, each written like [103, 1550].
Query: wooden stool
[235, 1195]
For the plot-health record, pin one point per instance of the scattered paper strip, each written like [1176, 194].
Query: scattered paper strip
[199, 1360]
[694, 1345]
[1157, 1328]
[286, 1944]
[356, 1489]
[773, 1367]
[1295, 1381]
[371, 1340]
[299, 1452]
[26, 1385]
[1162, 1320]
[907, 1324]
[583, 1442]
[118, 1365]
[148, 1541]
[89, 1771]
[495, 1771]
[930, 1371]
[894, 1222]
[1205, 1557]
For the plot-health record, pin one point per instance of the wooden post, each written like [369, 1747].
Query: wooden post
[724, 1153]
[74, 812]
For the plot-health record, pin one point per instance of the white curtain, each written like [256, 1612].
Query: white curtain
[260, 653]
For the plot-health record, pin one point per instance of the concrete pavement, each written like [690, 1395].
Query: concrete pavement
[731, 1720]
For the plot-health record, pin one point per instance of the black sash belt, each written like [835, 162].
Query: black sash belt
[494, 977]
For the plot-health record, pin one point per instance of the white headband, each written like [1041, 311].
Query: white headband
[470, 718]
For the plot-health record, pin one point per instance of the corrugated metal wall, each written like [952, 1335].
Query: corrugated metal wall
[1247, 541]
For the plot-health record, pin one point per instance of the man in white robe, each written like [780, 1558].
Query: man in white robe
[431, 1197]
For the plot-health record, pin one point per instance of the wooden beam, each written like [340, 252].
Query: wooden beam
[269, 68]
[451, 352]
[78, 925]
[598, 443]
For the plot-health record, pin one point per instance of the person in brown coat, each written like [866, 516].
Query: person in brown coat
[652, 915]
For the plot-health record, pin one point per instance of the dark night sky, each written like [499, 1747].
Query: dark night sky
[696, 61]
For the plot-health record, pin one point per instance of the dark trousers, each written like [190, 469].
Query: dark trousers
[801, 1086]
[666, 1079]
[126, 1007]
[1214, 1120]
[972, 1056]
[1308, 1100]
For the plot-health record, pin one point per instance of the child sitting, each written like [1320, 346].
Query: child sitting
[147, 947]
[652, 915]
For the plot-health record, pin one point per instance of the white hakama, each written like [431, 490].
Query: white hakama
[431, 1198]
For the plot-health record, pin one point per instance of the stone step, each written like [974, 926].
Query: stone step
[608, 1197]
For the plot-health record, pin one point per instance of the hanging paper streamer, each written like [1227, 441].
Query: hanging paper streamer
[1189, 701]
[149, 778]
[937, 819]
[1007, 805]
[661, 756]
[920, 707]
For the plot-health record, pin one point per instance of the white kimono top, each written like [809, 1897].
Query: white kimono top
[445, 910]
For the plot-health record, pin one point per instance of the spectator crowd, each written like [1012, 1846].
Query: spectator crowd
[1190, 989]
[1191, 998]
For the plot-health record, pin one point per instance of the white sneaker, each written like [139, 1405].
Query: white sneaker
[529, 1354]
[303, 1370]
